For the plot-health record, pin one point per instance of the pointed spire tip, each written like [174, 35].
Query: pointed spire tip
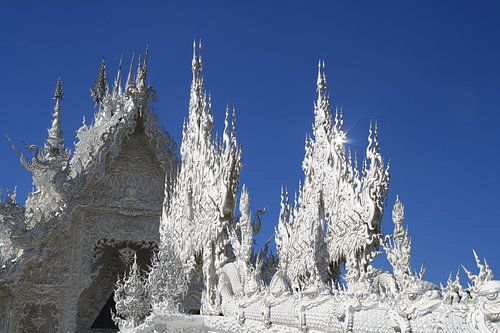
[59, 93]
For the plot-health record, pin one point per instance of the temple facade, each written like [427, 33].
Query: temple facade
[121, 234]
[91, 211]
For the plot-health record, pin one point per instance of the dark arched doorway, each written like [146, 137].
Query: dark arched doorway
[104, 320]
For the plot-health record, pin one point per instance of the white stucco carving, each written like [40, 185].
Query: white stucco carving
[118, 219]
[62, 252]
[333, 223]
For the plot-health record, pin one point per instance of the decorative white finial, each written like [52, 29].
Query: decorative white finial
[226, 137]
[59, 92]
[117, 88]
[100, 89]
[200, 62]
[320, 82]
[194, 61]
[54, 145]
[233, 126]
[146, 57]
[130, 78]
[139, 71]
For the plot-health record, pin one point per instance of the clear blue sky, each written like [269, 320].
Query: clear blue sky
[429, 71]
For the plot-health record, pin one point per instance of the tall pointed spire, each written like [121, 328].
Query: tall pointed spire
[55, 142]
[373, 147]
[142, 71]
[130, 79]
[100, 89]
[233, 128]
[196, 63]
[138, 72]
[398, 217]
[198, 103]
[322, 105]
[117, 88]
[226, 136]
[200, 120]
[145, 65]
[206, 184]
[200, 62]
[321, 81]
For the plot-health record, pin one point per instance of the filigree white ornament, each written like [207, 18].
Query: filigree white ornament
[60, 252]
[122, 192]
[131, 297]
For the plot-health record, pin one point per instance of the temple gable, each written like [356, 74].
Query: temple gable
[134, 180]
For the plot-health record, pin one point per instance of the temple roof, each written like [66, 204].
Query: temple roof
[60, 176]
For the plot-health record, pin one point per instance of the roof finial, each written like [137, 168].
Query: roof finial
[321, 81]
[130, 74]
[194, 61]
[318, 81]
[375, 137]
[226, 139]
[145, 65]
[55, 141]
[117, 88]
[324, 73]
[198, 101]
[59, 92]
[138, 74]
[233, 124]
[100, 89]
[200, 62]
[146, 54]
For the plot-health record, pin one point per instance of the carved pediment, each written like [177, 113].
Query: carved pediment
[134, 179]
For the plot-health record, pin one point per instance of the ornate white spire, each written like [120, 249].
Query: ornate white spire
[322, 114]
[138, 70]
[117, 87]
[338, 213]
[398, 216]
[167, 281]
[130, 79]
[142, 72]
[241, 235]
[196, 62]
[131, 298]
[398, 247]
[54, 145]
[226, 143]
[203, 199]
[485, 273]
[321, 88]
[332, 227]
[146, 58]
[100, 89]
[200, 119]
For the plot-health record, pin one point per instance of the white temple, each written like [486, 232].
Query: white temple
[121, 234]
